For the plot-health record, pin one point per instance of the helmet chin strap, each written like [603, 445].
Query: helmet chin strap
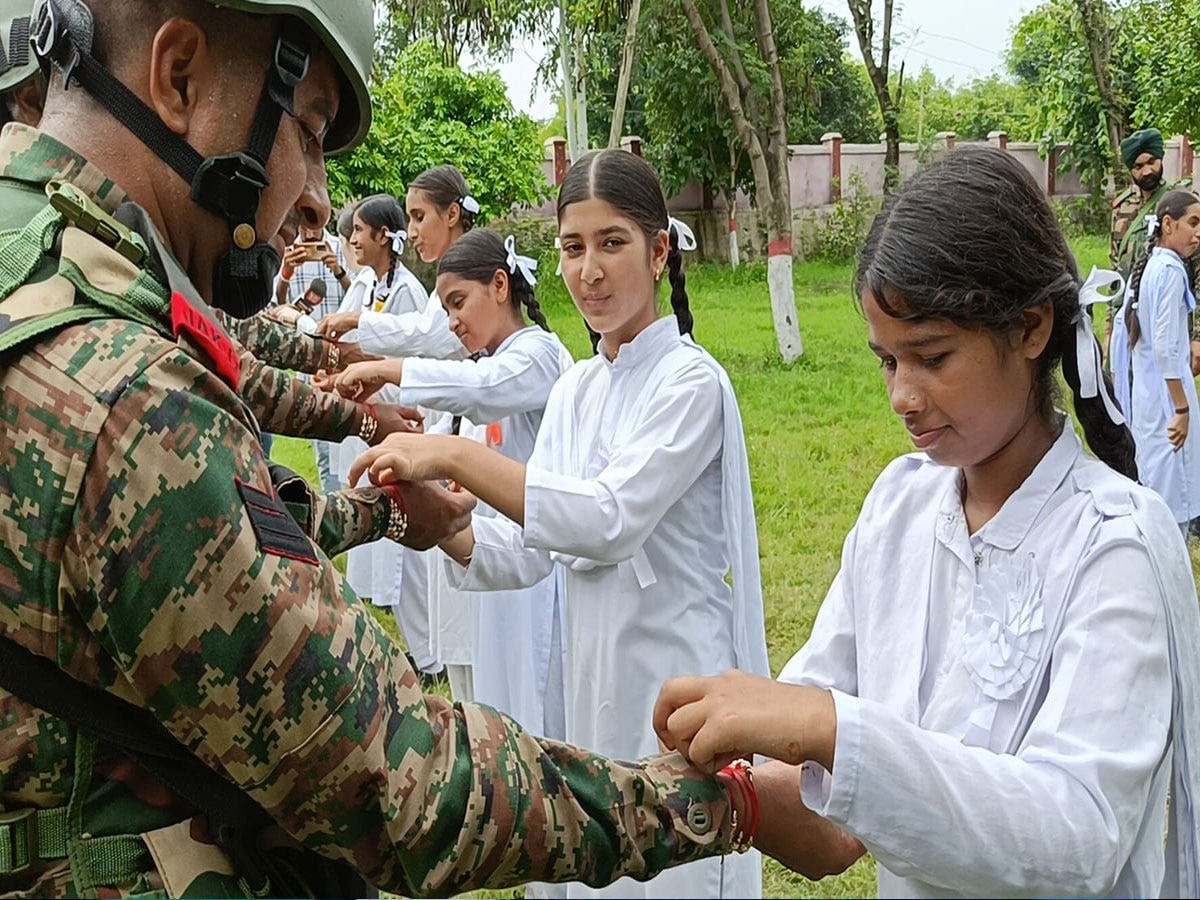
[229, 186]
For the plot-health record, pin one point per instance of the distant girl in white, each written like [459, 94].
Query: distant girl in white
[484, 286]
[638, 486]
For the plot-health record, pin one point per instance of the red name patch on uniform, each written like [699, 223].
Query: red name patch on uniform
[186, 319]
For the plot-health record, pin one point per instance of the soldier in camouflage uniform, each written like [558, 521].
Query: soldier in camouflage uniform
[145, 552]
[1142, 153]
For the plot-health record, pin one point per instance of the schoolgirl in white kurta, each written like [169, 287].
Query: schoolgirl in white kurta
[1164, 300]
[638, 486]
[1001, 685]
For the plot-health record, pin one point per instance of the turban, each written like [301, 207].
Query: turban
[1148, 140]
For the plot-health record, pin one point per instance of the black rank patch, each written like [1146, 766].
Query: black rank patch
[277, 532]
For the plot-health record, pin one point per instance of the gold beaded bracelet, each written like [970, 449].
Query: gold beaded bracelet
[332, 357]
[397, 515]
[370, 424]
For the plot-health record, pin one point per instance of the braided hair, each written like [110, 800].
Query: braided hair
[1175, 204]
[630, 185]
[383, 211]
[478, 256]
[972, 240]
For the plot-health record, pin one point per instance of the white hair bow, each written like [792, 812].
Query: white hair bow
[687, 239]
[397, 238]
[516, 263]
[1151, 224]
[558, 246]
[470, 204]
[1087, 351]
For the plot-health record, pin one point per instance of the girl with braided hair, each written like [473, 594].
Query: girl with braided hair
[1162, 395]
[638, 487]
[500, 393]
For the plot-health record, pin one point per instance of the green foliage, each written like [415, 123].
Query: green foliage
[453, 25]
[428, 113]
[983, 105]
[841, 236]
[1084, 216]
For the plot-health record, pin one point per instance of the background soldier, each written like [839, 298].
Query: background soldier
[145, 554]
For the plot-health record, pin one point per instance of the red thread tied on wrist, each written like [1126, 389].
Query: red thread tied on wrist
[745, 827]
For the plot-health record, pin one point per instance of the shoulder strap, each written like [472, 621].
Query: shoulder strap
[1139, 218]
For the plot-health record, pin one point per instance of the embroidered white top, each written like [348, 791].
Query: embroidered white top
[1011, 703]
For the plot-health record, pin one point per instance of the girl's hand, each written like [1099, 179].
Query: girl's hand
[1177, 430]
[713, 721]
[360, 380]
[406, 457]
[337, 323]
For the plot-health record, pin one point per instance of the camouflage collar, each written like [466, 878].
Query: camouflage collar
[33, 158]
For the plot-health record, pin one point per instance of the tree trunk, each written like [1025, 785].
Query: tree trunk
[627, 51]
[1096, 32]
[766, 147]
[878, 70]
[567, 60]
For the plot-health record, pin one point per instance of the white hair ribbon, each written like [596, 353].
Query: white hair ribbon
[470, 204]
[397, 238]
[1087, 351]
[687, 240]
[1151, 224]
[558, 246]
[516, 263]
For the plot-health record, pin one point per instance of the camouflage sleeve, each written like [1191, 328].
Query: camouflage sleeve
[350, 518]
[288, 406]
[276, 344]
[244, 641]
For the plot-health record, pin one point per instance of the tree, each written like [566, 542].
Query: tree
[762, 132]
[887, 93]
[1094, 21]
[627, 50]
[427, 112]
[453, 25]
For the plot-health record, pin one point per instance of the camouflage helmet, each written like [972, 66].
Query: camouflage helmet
[17, 61]
[347, 30]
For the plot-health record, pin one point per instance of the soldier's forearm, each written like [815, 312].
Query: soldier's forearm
[286, 405]
[277, 344]
[352, 518]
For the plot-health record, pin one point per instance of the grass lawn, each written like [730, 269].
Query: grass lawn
[818, 434]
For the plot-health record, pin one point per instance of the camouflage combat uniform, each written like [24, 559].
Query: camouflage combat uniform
[277, 345]
[143, 550]
[1128, 236]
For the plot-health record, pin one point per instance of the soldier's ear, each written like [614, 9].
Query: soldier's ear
[180, 72]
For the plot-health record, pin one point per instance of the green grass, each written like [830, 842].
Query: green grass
[818, 434]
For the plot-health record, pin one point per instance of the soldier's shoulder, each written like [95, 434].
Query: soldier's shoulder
[1131, 196]
[1185, 184]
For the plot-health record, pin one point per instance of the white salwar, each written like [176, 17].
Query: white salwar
[393, 576]
[1012, 705]
[639, 487]
[501, 398]
[1163, 351]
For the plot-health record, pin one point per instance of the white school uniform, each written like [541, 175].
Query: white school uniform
[391, 575]
[410, 323]
[1162, 352]
[1007, 701]
[504, 395]
[1118, 363]
[639, 487]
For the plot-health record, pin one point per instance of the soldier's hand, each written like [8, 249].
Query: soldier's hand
[434, 513]
[337, 323]
[359, 380]
[1195, 358]
[395, 419]
[405, 457]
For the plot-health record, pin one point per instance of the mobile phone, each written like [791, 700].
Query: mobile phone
[315, 251]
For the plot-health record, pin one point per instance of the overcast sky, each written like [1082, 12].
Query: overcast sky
[959, 39]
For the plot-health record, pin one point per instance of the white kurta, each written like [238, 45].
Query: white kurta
[391, 575]
[639, 486]
[409, 323]
[1162, 352]
[1118, 362]
[504, 395]
[1005, 700]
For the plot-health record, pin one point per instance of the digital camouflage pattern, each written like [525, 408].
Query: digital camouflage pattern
[277, 345]
[128, 556]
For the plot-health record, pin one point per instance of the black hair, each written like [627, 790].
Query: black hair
[972, 240]
[630, 185]
[1174, 204]
[345, 219]
[383, 211]
[478, 256]
[446, 187]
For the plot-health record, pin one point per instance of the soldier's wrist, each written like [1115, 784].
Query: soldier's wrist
[745, 810]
